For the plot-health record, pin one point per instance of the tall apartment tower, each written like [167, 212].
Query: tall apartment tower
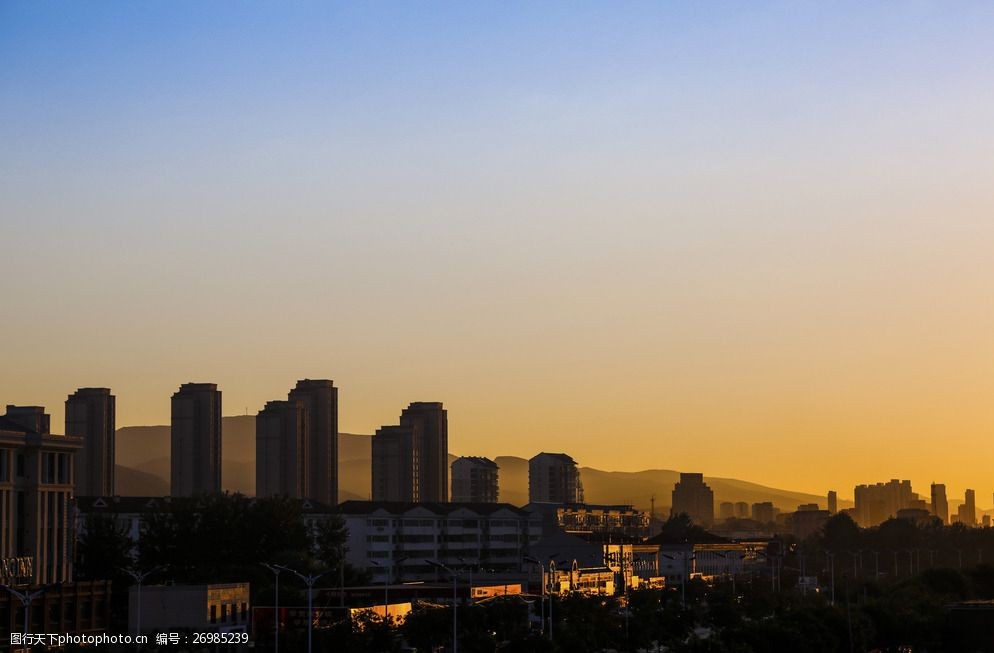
[833, 502]
[940, 506]
[474, 480]
[319, 397]
[693, 497]
[195, 461]
[36, 488]
[433, 421]
[90, 415]
[396, 473]
[554, 478]
[968, 511]
[281, 450]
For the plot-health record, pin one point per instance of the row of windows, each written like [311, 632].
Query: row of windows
[443, 523]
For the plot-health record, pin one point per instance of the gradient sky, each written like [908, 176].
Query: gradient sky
[753, 240]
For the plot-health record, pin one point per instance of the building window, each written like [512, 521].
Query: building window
[213, 614]
[4, 465]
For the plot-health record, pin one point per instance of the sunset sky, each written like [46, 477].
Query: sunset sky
[752, 240]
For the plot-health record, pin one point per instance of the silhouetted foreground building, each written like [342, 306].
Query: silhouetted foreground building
[554, 478]
[410, 460]
[431, 420]
[36, 486]
[396, 465]
[90, 414]
[474, 480]
[967, 512]
[693, 497]
[195, 459]
[281, 450]
[319, 398]
[940, 506]
[391, 541]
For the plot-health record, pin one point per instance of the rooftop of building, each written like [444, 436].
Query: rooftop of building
[128, 505]
[401, 507]
[479, 460]
[566, 458]
[197, 387]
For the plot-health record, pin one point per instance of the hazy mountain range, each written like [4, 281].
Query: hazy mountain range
[143, 469]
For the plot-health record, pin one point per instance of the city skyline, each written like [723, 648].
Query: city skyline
[751, 242]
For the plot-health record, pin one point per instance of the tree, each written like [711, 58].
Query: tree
[104, 550]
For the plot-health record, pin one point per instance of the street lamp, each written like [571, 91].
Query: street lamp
[541, 571]
[140, 577]
[309, 580]
[276, 572]
[26, 599]
[387, 578]
[687, 557]
[455, 610]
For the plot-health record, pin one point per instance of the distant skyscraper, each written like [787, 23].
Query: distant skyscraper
[693, 497]
[433, 421]
[319, 398]
[195, 460]
[281, 450]
[396, 472]
[833, 502]
[90, 415]
[741, 510]
[940, 507]
[763, 512]
[879, 502]
[554, 478]
[968, 511]
[726, 510]
[474, 480]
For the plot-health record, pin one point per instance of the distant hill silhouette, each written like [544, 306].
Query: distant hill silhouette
[143, 469]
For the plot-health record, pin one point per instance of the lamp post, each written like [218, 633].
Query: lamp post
[26, 598]
[276, 621]
[309, 580]
[140, 577]
[455, 607]
[541, 571]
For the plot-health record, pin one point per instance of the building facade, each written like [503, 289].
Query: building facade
[554, 478]
[281, 450]
[393, 541]
[474, 480]
[319, 397]
[195, 459]
[693, 497]
[36, 487]
[90, 414]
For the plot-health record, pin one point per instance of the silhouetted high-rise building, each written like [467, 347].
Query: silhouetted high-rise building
[940, 506]
[554, 478]
[693, 497]
[968, 511]
[195, 460]
[36, 486]
[726, 510]
[833, 502]
[90, 415]
[764, 512]
[319, 398]
[879, 502]
[433, 421]
[281, 450]
[474, 480]
[741, 510]
[396, 472]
